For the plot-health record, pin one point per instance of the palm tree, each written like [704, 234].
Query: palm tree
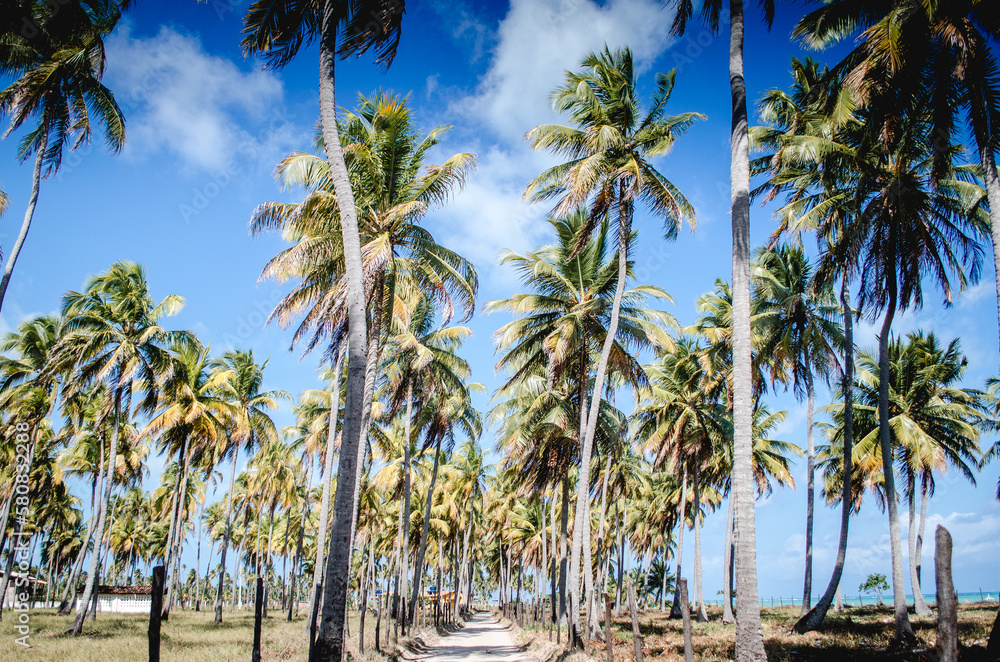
[910, 220]
[609, 147]
[277, 29]
[801, 341]
[932, 424]
[566, 320]
[328, 399]
[192, 420]
[680, 422]
[58, 80]
[749, 638]
[386, 165]
[816, 173]
[253, 427]
[112, 335]
[27, 396]
[912, 55]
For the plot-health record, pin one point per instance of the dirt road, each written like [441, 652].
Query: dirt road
[481, 640]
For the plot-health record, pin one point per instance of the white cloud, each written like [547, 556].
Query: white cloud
[540, 39]
[200, 107]
[536, 42]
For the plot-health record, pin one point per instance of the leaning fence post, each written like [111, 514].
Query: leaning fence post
[258, 612]
[155, 607]
[636, 636]
[947, 607]
[607, 628]
[686, 614]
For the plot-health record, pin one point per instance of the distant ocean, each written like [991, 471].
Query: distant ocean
[856, 600]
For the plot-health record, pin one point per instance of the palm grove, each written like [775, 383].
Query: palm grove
[383, 482]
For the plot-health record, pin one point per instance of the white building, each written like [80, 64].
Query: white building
[123, 599]
[36, 585]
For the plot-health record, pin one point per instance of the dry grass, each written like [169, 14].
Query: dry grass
[187, 637]
[861, 633]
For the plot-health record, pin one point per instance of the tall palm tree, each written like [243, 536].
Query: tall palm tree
[749, 638]
[387, 167]
[113, 336]
[911, 55]
[58, 75]
[252, 427]
[277, 29]
[817, 176]
[609, 147]
[911, 220]
[932, 424]
[801, 341]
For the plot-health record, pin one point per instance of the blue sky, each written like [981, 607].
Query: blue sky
[206, 128]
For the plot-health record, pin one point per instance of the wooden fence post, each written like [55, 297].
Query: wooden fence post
[258, 612]
[636, 635]
[155, 607]
[608, 641]
[947, 603]
[378, 622]
[686, 614]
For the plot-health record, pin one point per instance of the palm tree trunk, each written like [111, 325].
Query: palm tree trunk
[543, 568]
[904, 631]
[810, 494]
[88, 592]
[225, 541]
[600, 527]
[554, 579]
[563, 557]
[675, 608]
[665, 534]
[197, 561]
[699, 593]
[919, 604]
[404, 556]
[371, 370]
[464, 572]
[918, 547]
[727, 564]
[817, 614]
[267, 548]
[36, 180]
[418, 567]
[298, 548]
[582, 521]
[621, 565]
[363, 591]
[66, 604]
[324, 509]
[749, 637]
[178, 536]
[208, 563]
[330, 645]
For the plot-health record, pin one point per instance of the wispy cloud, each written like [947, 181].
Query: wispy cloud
[537, 42]
[201, 108]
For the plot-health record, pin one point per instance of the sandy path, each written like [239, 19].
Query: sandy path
[481, 640]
